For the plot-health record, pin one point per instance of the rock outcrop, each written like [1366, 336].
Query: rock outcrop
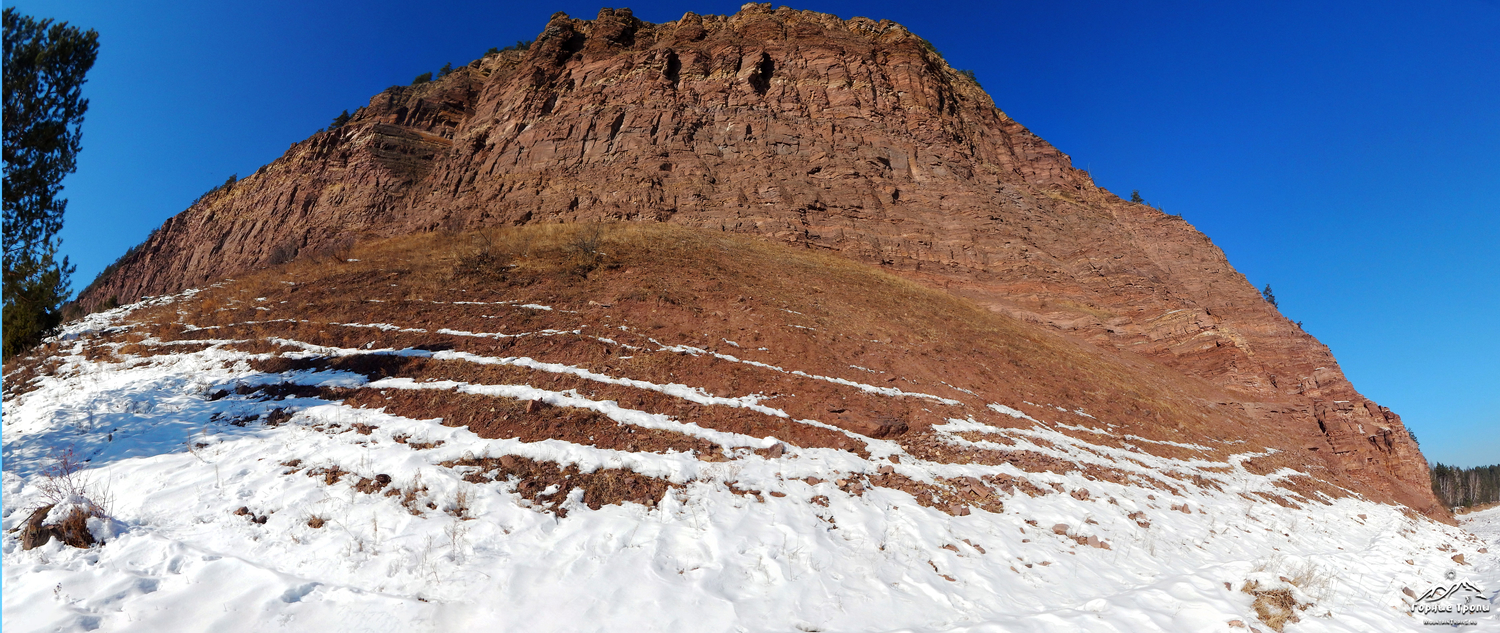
[847, 135]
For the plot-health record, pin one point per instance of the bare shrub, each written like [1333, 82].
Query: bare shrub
[584, 245]
[460, 507]
[283, 253]
[484, 258]
[457, 534]
[65, 482]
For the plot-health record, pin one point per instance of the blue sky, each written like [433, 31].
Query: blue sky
[1347, 153]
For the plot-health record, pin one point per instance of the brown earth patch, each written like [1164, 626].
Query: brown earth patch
[933, 448]
[532, 479]
[498, 417]
[723, 418]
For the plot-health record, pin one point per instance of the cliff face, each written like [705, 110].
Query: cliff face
[852, 136]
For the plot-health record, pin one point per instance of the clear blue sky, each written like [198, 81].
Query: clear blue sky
[1347, 153]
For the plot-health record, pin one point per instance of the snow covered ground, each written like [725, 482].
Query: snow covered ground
[309, 555]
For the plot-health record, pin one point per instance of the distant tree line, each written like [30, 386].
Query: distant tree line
[1464, 487]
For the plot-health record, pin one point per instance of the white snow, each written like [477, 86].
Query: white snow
[177, 558]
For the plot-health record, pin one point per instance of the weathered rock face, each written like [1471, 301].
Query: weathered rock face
[853, 136]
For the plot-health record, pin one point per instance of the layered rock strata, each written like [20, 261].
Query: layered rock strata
[848, 135]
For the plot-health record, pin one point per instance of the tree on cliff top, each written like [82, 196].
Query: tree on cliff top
[45, 64]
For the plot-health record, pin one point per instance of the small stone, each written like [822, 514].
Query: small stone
[507, 462]
[886, 470]
[777, 450]
[1459, 558]
[244, 510]
[1061, 528]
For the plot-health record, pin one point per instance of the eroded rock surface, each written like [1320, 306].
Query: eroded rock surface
[848, 135]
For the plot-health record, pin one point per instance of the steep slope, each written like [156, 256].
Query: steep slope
[648, 427]
[851, 136]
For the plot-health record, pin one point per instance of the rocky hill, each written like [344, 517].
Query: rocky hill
[847, 136]
[649, 427]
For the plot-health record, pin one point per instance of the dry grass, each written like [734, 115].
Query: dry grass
[1277, 607]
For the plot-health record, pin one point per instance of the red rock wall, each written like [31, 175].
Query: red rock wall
[853, 136]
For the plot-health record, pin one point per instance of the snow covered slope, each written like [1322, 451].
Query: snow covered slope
[271, 473]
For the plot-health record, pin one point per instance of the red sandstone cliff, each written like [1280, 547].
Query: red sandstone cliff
[852, 136]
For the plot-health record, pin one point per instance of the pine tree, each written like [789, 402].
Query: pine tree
[446, 70]
[339, 120]
[45, 64]
[422, 78]
[1135, 196]
[1269, 296]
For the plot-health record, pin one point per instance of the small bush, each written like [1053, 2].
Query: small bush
[64, 484]
[446, 70]
[585, 248]
[422, 79]
[283, 253]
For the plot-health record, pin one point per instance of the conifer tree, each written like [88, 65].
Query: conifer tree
[45, 64]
